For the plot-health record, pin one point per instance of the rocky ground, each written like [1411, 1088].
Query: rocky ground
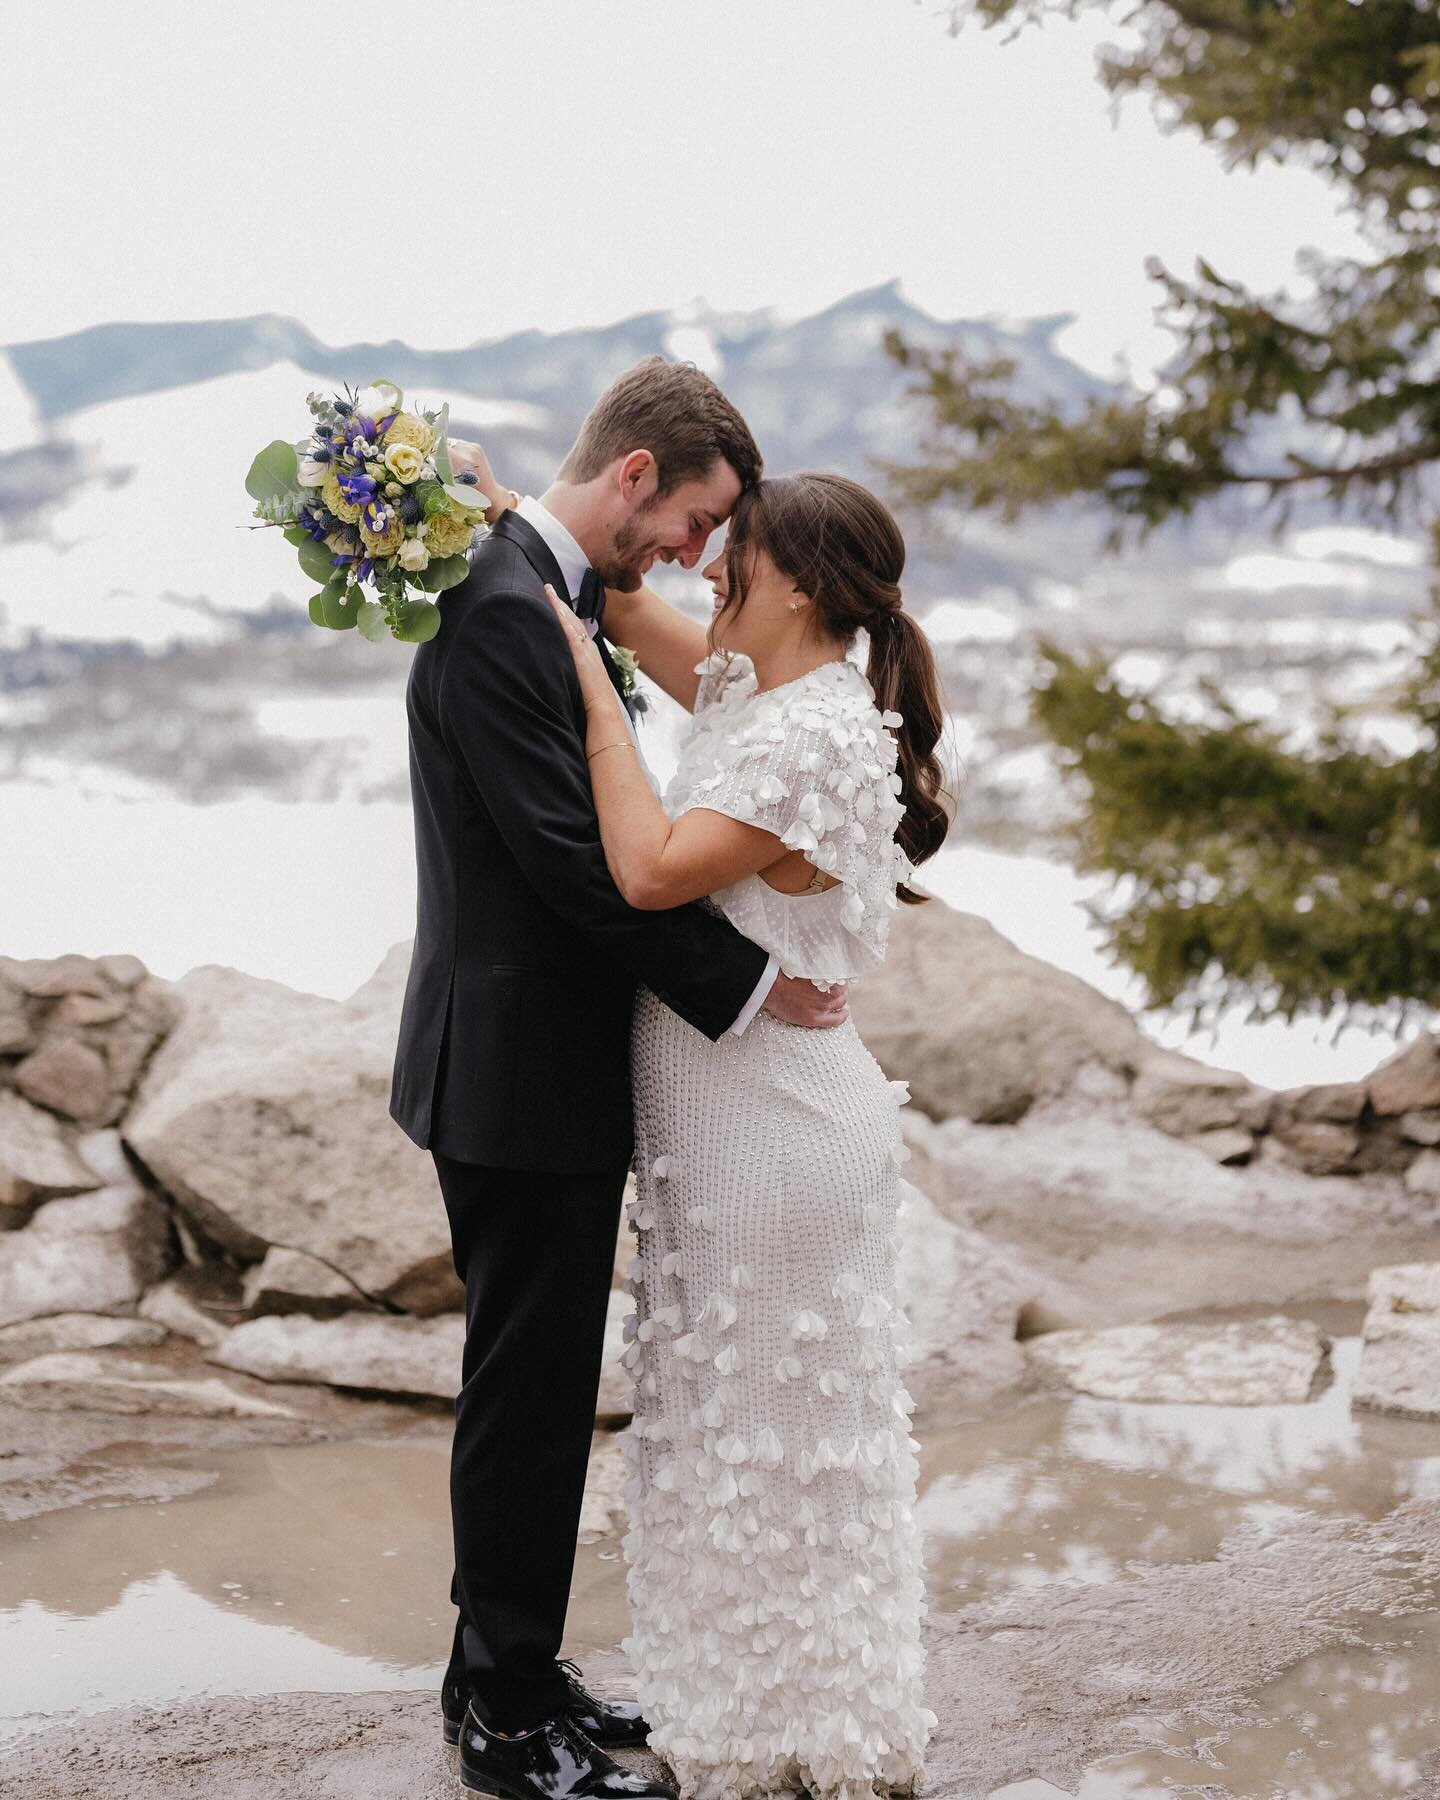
[211, 1235]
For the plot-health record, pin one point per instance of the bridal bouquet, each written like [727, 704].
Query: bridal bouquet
[370, 499]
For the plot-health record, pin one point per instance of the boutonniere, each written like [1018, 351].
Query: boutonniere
[629, 667]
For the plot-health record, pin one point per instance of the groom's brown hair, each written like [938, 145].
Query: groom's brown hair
[676, 412]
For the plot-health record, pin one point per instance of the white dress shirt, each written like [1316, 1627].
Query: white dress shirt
[573, 564]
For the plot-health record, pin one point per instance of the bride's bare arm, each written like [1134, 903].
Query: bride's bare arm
[656, 862]
[667, 642]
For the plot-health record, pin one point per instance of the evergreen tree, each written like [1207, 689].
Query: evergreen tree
[1296, 879]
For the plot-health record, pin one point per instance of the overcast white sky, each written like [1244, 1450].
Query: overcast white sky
[460, 170]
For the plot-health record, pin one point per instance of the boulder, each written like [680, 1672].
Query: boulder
[1421, 1126]
[1423, 1175]
[1187, 1098]
[372, 1351]
[177, 1305]
[94, 1382]
[96, 1253]
[979, 1029]
[37, 1162]
[1409, 1080]
[70, 1078]
[1116, 1222]
[76, 1331]
[1225, 1144]
[291, 1281]
[86, 1027]
[1243, 1362]
[265, 1114]
[1400, 1342]
[1317, 1145]
[963, 1297]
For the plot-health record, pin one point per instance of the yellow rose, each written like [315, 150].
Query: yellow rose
[410, 428]
[336, 501]
[446, 535]
[404, 461]
[386, 542]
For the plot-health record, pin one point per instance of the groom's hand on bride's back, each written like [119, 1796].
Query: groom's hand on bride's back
[800, 1002]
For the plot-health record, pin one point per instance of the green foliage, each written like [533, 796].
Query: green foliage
[1296, 878]
[1295, 881]
[442, 572]
[330, 608]
[274, 472]
[417, 621]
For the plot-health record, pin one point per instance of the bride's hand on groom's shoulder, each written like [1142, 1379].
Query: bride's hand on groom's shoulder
[465, 455]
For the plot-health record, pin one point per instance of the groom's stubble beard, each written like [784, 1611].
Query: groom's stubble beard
[620, 567]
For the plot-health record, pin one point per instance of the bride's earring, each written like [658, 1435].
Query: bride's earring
[794, 606]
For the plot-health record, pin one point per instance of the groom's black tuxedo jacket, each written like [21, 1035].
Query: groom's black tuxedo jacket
[526, 958]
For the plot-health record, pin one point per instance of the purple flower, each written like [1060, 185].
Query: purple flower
[357, 487]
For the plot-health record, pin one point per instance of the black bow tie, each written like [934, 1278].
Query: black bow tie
[590, 601]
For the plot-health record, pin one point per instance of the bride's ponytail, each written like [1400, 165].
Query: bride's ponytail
[901, 670]
[840, 545]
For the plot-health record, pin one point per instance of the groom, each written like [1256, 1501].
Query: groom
[512, 1065]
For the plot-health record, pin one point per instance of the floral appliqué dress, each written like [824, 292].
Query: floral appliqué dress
[774, 1565]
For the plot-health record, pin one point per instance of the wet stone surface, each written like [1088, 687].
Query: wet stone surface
[1128, 1600]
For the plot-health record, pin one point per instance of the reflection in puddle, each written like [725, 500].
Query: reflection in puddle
[1339, 1725]
[327, 1567]
[1073, 1489]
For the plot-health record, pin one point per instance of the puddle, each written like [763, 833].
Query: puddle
[326, 1567]
[1073, 1489]
[1340, 1725]
[316, 1566]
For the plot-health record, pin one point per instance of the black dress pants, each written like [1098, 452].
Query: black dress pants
[535, 1252]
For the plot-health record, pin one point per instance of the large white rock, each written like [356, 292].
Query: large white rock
[1116, 1222]
[1268, 1361]
[90, 1381]
[977, 1027]
[963, 1296]
[76, 1331]
[373, 1351]
[265, 1114]
[37, 1162]
[95, 1253]
[172, 1304]
[291, 1281]
[1400, 1349]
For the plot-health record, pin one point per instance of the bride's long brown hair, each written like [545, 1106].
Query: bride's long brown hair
[840, 545]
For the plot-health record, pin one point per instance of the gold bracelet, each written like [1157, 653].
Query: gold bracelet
[619, 744]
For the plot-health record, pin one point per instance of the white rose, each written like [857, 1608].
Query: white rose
[375, 402]
[413, 555]
[312, 473]
[405, 462]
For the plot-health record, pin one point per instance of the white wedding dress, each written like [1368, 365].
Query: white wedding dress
[774, 1565]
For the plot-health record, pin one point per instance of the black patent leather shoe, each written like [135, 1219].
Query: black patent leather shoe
[612, 1724]
[555, 1761]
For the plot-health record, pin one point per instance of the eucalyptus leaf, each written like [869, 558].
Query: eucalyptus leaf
[297, 535]
[315, 561]
[328, 609]
[419, 620]
[371, 621]
[442, 572]
[274, 472]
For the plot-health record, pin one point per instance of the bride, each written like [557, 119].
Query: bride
[774, 1564]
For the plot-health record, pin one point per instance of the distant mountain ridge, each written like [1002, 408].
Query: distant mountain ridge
[110, 361]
